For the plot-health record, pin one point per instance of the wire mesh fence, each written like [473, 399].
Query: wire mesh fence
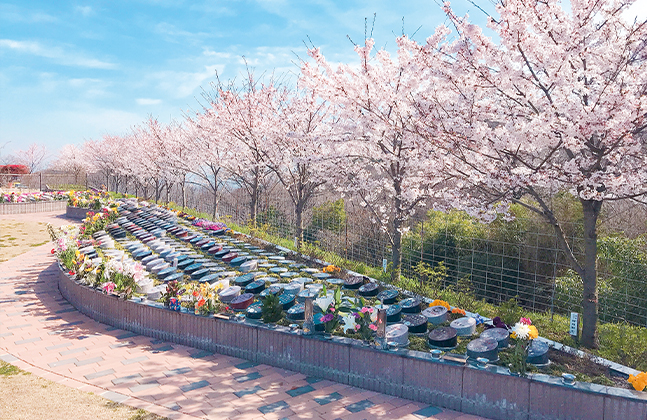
[43, 181]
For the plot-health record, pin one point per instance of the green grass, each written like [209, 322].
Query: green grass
[7, 369]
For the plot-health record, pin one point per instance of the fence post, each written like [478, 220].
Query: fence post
[40, 181]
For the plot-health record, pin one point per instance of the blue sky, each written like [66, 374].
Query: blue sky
[74, 70]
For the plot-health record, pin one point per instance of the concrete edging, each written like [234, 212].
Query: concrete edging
[32, 207]
[490, 392]
[76, 213]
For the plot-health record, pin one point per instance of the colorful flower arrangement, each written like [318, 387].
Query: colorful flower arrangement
[209, 225]
[33, 197]
[523, 332]
[331, 269]
[329, 304]
[88, 199]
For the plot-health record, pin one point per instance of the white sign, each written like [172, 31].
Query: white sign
[384, 264]
[575, 318]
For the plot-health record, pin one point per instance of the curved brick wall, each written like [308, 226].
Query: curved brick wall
[489, 392]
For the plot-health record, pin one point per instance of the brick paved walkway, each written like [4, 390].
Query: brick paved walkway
[42, 333]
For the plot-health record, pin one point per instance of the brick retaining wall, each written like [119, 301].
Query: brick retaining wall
[32, 207]
[491, 392]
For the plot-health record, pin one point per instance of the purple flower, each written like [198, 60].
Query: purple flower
[358, 315]
[327, 318]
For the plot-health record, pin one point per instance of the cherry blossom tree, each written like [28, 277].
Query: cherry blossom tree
[295, 148]
[243, 117]
[71, 159]
[33, 157]
[209, 151]
[559, 103]
[378, 154]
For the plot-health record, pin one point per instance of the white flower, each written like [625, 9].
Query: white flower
[349, 322]
[324, 302]
[521, 331]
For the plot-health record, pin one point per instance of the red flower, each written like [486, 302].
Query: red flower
[53, 251]
[71, 273]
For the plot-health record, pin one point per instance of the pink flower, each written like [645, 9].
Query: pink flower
[373, 327]
[364, 310]
[357, 326]
[526, 321]
[108, 287]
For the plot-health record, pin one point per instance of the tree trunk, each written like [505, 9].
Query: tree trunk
[157, 190]
[589, 279]
[298, 213]
[397, 232]
[184, 193]
[397, 250]
[215, 203]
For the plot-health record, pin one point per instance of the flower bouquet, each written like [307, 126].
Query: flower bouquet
[523, 332]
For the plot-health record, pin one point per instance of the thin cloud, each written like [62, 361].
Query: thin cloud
[55, 53]
[12, 13]
[84, 10]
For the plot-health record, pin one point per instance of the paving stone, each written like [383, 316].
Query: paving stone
[143, 387]
[115, 396]
[27, 341]
[7, 334]
[177, 371]
[249, 377]
[359, 406]
[13, 327]
[160, 349]
[72, 351]
[8, 358]
[99, 374]
[63, 362]
[313, 380]
[89, 361]
[423, 413]
[58, 346]
[126, 379]
[194, 385]
[134, 360]
[200, 354]
[271, 408]
[245, 365]
[329, 398]
[124, 344]
[248, 391]
[128, 334]
[300, 391]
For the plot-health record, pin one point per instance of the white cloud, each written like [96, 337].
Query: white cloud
[55, 53]
[14, 14]
[148, 101]
[84, 10]
[182, 84]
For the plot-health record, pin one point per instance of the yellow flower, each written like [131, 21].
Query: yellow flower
[639, 381]
[439, 302]
[533, 332]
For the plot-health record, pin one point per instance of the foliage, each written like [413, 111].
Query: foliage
[274, 221]
[172, 291]
[14, 169]
[330, 215]
[271, 310]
